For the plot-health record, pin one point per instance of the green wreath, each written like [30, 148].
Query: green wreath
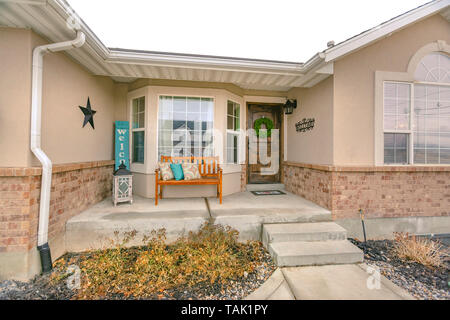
[269, 127]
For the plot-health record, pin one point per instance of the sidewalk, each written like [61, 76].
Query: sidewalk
[330, 282]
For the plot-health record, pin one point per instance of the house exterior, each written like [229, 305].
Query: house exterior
[380, 104]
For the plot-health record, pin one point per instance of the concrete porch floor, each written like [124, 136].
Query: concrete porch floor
[244, 211]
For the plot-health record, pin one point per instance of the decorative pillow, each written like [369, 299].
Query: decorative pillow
[190, 171]
[166, 172]
[177, 171]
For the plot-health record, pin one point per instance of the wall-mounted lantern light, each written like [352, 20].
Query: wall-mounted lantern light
[289, 106]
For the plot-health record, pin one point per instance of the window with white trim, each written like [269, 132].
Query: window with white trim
[417, 115]
[185, 126]
[138, 129]
[233, 126]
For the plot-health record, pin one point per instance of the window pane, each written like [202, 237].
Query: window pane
[431, 121]
[138, 146]
[390, 106]
[179, 104]
[389, 140]
[397, 106]
[389, 156]
[419, 156]
[444, 140]
[390, 90]
[389, 122]
[445, 156]
[403, 91]
[237, 114]
[432, 140]
[193, 105]
[419, 140]
[402, 122]
[444, 123]
[230, 122]
[230, 110]
[232, 148]
[396, 148]
[138, 113]
[433, 67]
[183, 126]
[432, 155]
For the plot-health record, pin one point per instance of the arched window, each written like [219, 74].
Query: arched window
[434, 67]
[417, 115]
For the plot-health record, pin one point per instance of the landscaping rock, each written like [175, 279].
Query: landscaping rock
[422, 282]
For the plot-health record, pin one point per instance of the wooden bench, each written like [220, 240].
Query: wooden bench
[207, 166]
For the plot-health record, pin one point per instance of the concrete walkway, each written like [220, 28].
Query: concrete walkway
[330, 282]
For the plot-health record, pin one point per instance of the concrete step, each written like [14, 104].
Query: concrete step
[307, 253]
[317, 231]
[265, 186]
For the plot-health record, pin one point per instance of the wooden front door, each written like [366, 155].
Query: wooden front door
[273, 112]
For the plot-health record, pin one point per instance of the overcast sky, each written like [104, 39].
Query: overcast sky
[277, 29]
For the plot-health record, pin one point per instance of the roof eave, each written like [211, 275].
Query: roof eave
[366, 38]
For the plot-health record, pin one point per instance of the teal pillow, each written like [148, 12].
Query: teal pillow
[177, 170]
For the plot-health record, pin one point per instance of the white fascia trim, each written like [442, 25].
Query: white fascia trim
[63, 9]
[142, 56]
[384, 30]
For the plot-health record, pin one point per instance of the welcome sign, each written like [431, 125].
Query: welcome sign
[122, 138]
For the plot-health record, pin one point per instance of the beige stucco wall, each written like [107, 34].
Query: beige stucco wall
[354, 85]
[66, 85]
[15, 95]
[315, 146]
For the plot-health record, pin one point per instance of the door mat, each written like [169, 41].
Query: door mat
[268, 193]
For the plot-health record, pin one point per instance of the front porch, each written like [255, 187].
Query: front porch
[243, 211]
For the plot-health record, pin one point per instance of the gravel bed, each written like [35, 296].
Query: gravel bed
[40, 288]
[422, 282]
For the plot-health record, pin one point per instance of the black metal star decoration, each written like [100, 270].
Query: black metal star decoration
[88, 114]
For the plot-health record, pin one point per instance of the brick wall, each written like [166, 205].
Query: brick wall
[386, 191]
[243, 177]
[309, 183]
[75, 187]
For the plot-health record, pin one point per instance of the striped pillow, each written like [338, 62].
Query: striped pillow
[190, 171]
[166, 172]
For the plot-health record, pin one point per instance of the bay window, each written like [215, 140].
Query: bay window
[138, 129]
[185, 126]
[417, 115]
[233, 126]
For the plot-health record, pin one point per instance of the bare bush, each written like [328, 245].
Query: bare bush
[424, 251]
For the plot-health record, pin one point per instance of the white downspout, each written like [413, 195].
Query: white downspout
[35, 144]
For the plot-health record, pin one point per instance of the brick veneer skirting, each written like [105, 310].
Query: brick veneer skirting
[75, 187]
[243, 177]
[386, 191]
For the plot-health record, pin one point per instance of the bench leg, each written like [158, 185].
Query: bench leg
[156, 194]
[160, 191]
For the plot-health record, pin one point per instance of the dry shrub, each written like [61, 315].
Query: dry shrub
[426, 252]
[211, 255]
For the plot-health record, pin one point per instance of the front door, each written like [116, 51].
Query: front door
[255, 175]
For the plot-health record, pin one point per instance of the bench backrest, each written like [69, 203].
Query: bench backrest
[208, 166]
